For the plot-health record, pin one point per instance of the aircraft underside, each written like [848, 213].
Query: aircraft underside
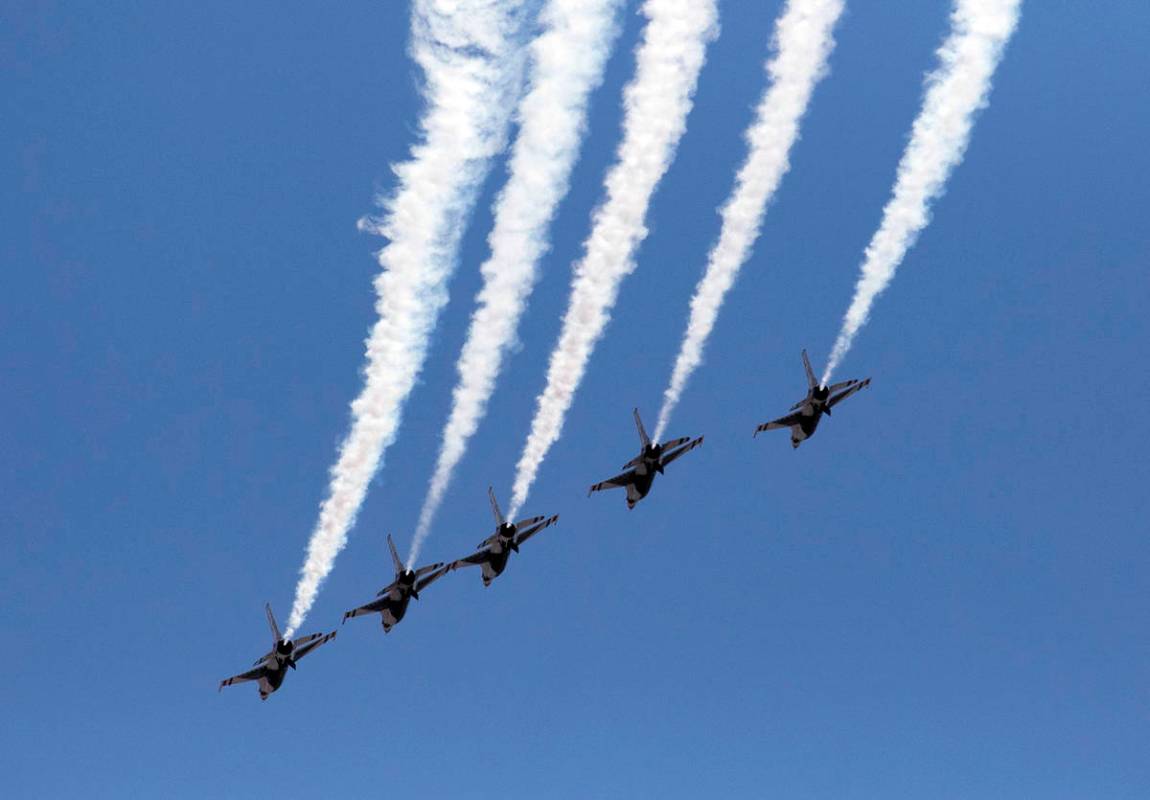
[493, 567]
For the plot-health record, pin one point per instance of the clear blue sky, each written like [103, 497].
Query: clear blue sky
[943, 595]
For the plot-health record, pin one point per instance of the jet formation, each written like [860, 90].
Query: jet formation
[493, 553]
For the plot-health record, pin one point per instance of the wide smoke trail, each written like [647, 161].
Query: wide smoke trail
[567, 62]
[470, 56]
[955, 92]
[656, 104]
[802, 43]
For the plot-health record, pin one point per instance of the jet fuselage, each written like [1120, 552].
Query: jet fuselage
[276, 667]
[272, 680]
[641, 485]
[495, 563]
[283, 652]
[395, 608]
[652, 454]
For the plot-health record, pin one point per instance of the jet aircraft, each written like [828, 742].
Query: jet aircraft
[807, 412]
[271, 669]
[496, 549]
[393, 600]
[652, 459]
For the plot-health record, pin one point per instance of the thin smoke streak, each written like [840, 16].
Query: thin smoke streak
[567, 63]
[803, 42]
[955, 92]
[469, 57]
[657, 102]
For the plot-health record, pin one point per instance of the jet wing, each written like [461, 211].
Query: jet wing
[539, 524]
[374, 607]
[781, 422]
[422, 583]
[387, 589]
[669, 457]
[527, 523]
[489, 541]
[474, 559]
[843, 395]
[419, 573]
[834, 388]
[634, 462]
[619, 481]
[311, 643]
[250, 675]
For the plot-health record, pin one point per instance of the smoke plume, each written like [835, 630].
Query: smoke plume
[656, 104]
[955, 92]
[567, 62]
[469, 56]
[802, 43]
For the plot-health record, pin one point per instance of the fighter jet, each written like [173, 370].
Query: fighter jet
[641, 469]
[392, 600]
[271, 669]
[494, 551]
[807, 412]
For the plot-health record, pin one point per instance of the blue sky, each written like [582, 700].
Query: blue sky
[942, 595]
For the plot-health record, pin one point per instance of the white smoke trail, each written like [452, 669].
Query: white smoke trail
[567, 63]
[955, 92]
[469, 55]
[802, 43]
[656, 104]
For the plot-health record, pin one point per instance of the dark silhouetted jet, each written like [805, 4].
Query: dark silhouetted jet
[271, 669]
[819, 400]
[392, 600]
[652, 459]
[497, 548]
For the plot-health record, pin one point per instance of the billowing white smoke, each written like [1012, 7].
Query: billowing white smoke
[470, 58]
[656, 104]
[803, 42]
[567, 62]
[955, 92]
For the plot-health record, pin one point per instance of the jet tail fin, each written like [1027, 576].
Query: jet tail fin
[499, 520]
[812, 381]
[642, 431]
[394, 555]
[272, 624]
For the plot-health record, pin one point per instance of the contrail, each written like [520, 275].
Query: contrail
[656, 104]
[802, 43]
[469, 55]
[567, 62]
[955, 92]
